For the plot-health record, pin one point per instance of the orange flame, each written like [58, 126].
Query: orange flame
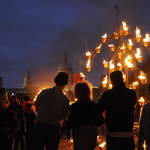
[128, 62]
[104, 38]
[138, 34]
[125, 28]
[105, 63]
[138, 55]
[142, 77]
[112, 47]
[104, 82]
[130, 44]
[98, 48]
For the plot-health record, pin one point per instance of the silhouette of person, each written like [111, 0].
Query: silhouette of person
[52, 107]
[144, 129]
[30, 117]
[83, 119]
[118, 104]
[8, 122]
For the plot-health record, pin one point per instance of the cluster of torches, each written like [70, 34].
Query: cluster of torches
[125, 54]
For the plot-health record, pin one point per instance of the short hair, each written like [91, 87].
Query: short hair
[116, 77]
[61, 79]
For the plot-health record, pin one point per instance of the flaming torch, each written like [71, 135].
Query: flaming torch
[125, 28]
[105, 63]
[112, 47]
[146, 40]
[104, 82]
[142, 77]
[130, 44]
[104, 38]
[138, 55]
[88, 65]
[98, 48]
[138, 35]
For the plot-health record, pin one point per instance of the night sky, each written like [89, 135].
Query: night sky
[35, 34]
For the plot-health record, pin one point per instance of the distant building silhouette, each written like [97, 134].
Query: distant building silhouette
[1, 82]
[27, 81]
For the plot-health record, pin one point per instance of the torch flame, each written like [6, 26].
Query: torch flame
[142, 77]
[138, 55]
[128, 61]
[138, 33]
[88, 54]
[111, 65]
[130, 44]
[125, 28]
[82, 75]
[105, 63]
[88, 65]
[147, 38]
[104, 82]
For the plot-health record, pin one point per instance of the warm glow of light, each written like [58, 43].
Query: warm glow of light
[102, 145]
[141, 100]
[105, 63]
[98, 48]
[104, 38]
[119, 65]
[120, 55]
[111, 65]
[88, 54]
[134, 85]
[142, 77]
[146, 40]
[125, 28]
[104, 81]
[116, 36]
[82, 75]
[88, 65]
[110, 86]
[123, 48]
[38, 93]
[130, 44]
[138, 55]
[112, 47]
[138, 34]
[124, 77]
[128, 62]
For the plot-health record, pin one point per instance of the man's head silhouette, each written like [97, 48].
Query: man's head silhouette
[116, 78]
[61, 79]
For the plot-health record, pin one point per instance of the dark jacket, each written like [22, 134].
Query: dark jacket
[118, 104]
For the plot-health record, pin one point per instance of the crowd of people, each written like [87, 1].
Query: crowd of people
[29, 130]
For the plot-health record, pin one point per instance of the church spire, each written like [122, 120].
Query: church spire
[27, 80]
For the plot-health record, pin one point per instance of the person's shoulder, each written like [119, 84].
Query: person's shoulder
[131, 91]
[146, 106]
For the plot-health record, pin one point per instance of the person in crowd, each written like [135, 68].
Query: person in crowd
[118, 104]
[52, 107]
[144, 129]
[30, 118]
[19, 139]
[8, 122]
[83, 119]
